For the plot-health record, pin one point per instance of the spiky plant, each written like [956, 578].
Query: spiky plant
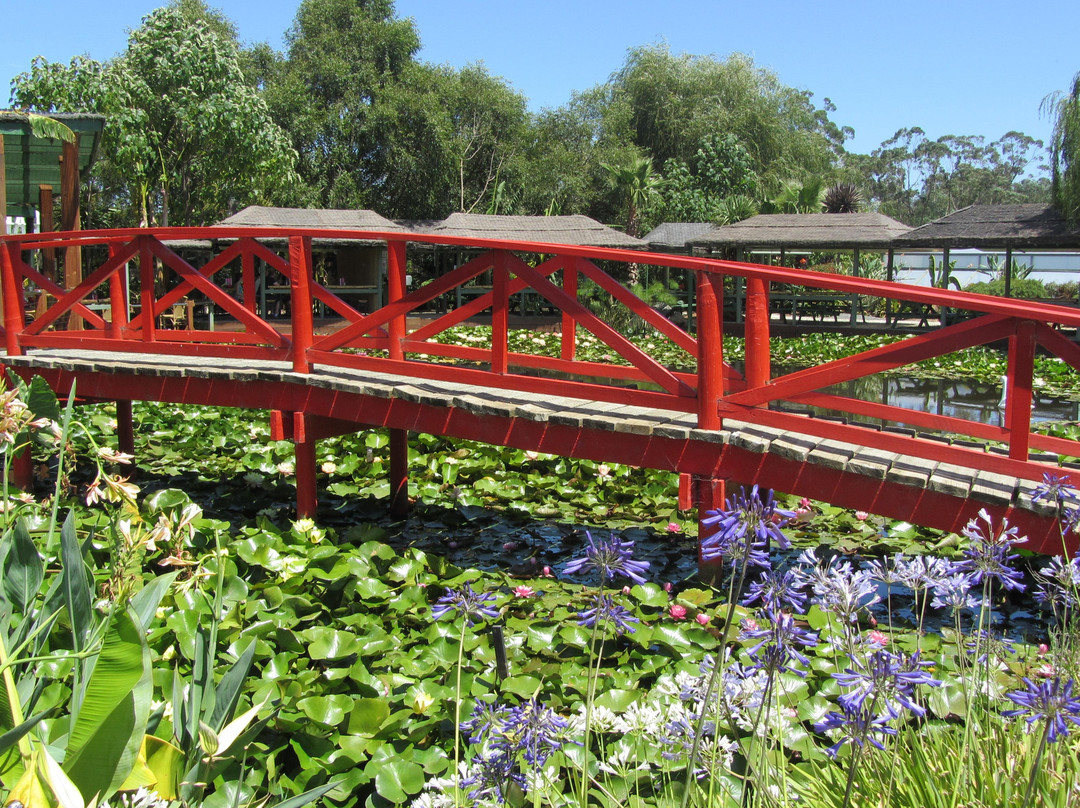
[843, 197]
[735, 208]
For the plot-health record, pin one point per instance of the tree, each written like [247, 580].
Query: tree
[186, 135]
[346, 94]
[1065, 150]
[696, 191]
[635, 184]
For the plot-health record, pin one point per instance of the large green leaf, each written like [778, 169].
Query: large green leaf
[23, 569]
[77, 587]
[396, 779]
[108, 730]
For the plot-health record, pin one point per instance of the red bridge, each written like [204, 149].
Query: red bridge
[711, 424]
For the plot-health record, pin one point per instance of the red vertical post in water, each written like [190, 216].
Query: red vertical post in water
[399, 438]
[758, 364]
[307, 500]
[13, 297]
[125, 427]
[303, 325]
[569, 324]
[1018, 385]
[710, 357]
[709, 494]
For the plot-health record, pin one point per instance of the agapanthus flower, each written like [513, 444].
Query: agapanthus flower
[1055, 489]
[606, 610]
[921, 572]
[839, 588]
[532, 730]
[610, 557]
[467, 603]
[954, 592]
[744, 529]
[1050, 701]
[988, 555]
[1059, 583]
[886, 682]
[777, 591]
[856, 724]
[780, 642]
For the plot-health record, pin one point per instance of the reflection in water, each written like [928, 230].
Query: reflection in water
[970, 400]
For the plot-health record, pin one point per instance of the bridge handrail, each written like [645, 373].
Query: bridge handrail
[715, 391]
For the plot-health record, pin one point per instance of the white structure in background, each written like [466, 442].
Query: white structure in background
[971, 266]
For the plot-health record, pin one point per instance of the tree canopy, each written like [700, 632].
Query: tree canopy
[348, 117]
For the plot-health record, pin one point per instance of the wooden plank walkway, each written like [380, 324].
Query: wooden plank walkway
[861, 477]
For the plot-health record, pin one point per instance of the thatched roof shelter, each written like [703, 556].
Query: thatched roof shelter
[840, 231]
[579, 231]
[1028, 227]
[675, 237]
[258, 216]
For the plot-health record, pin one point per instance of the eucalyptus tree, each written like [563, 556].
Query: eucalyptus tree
[1065, 149]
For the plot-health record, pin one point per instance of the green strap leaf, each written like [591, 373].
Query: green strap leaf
[23, 569]
[108, 731]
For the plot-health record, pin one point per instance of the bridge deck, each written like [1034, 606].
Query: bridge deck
[934, 494]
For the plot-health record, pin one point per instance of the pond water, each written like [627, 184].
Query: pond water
[967, 399]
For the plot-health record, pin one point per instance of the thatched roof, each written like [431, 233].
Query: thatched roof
[258, 216]
[579, 231]
[996, 226]
[810, 230]
[674, 236]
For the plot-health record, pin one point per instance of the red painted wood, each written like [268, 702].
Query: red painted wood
[758, 368]
[399, 472]
[303, 330]
[13, 302]
[1018, 388]
[500, 313]
[125, 427]
[711, 349]
[146, 288]
[395, 277]
[307, 500]
[568, 338]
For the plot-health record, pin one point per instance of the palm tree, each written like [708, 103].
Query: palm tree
[794, 197]
[636, 183]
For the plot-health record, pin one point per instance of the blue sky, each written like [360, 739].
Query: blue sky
[949, 66]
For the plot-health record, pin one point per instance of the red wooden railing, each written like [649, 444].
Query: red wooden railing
[714, 392]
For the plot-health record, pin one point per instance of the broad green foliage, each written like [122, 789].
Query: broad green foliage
[186, 135]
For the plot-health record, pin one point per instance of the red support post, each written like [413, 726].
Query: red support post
[146, 290]
[395, 281]
[569, 324]
[307, 500]
[399, 472]
[300, 278]
[118, 290]
[758, 365]
[500, 314]
[708, 494]
[1018, 389]
[14, 321]
[710, 349]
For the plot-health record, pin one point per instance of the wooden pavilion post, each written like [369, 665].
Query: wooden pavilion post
[1008, 271]
[396, 265]
[71, 220]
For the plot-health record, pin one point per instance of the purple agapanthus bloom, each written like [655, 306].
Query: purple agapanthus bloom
[606, 610]
[778, 591]
[534, 731]
[492, 773]
[610, 557]
[885, 682]
[954, 592]
[858, 725]
[780, 642]
[744, 529]
[988, 555]
[1059, 583]
[839, 588]
[467, 603]
[1051, 701]
[1056, 490]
